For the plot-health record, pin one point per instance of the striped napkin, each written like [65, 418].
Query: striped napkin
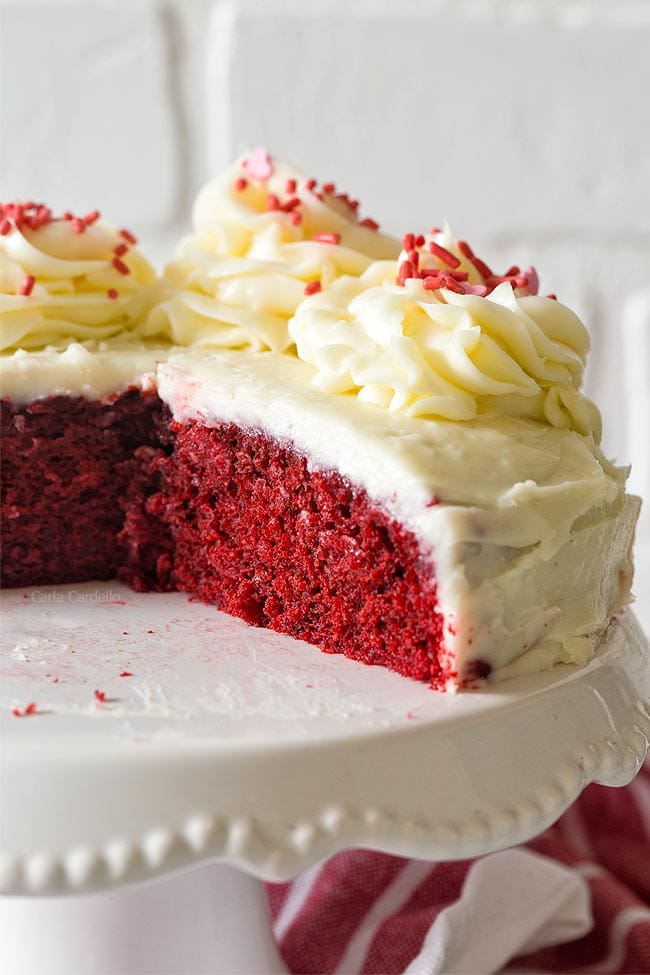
[576, 899]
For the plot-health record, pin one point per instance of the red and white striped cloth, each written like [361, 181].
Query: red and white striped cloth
[369, 912]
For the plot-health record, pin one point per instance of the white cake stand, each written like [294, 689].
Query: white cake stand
[245, 754]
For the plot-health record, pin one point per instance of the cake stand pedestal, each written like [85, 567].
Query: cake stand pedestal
[214, 754]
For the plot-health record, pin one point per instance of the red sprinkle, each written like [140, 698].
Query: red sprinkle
[128, 236]
[313, 287]
[112, 293]
[406, 270]
[100, 696]
[327, 238]
[120, 266]
[26, 286]
[553, 297]
[310, 184]
[446, 256]
[241, 184]
[290, 186]
[408, 242]
[91, 217]
[329, 188]
[121, 249]
[78, 225]
[431, 282]
[291, 204]
[295, 218]
[369, 223]
[126, 673]
[68, 216]
[272, 202]
[5, 227]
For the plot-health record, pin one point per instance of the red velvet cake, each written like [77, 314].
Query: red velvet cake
[385, 455]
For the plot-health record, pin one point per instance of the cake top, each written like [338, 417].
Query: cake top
[64, 278]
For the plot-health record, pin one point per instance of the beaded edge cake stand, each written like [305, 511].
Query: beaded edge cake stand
[166, 735]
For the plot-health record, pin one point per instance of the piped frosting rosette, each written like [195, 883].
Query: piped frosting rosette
[448, 338]
[67, 278]
[265, 237]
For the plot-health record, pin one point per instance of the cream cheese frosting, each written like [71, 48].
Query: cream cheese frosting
[67, 278]
[264, 236]
[418, 347]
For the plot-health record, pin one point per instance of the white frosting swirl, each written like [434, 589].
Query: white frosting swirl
[77, 292]
[447, 354]
[240, 277]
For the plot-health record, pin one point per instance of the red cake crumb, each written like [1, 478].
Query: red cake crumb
[28, 711]
[261, 536]
[68, 465]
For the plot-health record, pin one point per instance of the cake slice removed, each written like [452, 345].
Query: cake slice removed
[441, 550]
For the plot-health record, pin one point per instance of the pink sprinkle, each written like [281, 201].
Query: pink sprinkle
[78, 225]
[27, 285]
[369, 223]
[327, 238]
[312, 288]
[533, 280]
[259, 165]
[475, 289]
[5, 227]
[295, 218]
[241, 184]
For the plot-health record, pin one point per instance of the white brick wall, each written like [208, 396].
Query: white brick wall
[523, 122]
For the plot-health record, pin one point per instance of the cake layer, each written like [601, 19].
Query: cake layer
[70, 466]
[258, 534]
